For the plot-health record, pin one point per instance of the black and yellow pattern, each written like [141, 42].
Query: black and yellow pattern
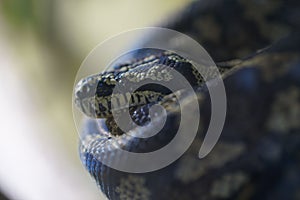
[257, 156]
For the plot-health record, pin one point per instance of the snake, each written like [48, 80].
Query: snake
[256, 46]
[95, 95]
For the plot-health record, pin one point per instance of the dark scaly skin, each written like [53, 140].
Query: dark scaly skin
[257, 156]
[94, 94]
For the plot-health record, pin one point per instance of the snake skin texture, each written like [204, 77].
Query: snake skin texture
[258, 153]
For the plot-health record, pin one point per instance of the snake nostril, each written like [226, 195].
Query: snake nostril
[85, 89]
[78, 95]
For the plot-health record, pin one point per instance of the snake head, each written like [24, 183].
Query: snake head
[92, 94]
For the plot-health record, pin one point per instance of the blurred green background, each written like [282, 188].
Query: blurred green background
[42, 44]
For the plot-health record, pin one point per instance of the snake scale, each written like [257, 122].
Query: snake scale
[258, 153]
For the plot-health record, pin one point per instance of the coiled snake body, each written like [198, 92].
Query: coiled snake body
[259, 144]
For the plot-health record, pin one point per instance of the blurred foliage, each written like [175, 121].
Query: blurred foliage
[19, 12]
[33, 13]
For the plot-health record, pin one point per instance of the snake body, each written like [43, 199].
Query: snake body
[259, 146]
[97, 102]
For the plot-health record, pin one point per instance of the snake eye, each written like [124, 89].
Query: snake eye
[103, 89]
